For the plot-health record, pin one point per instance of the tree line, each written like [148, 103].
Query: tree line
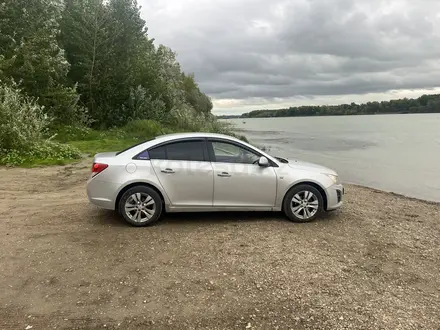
[84, 76]
[91, 62]
[423, 104]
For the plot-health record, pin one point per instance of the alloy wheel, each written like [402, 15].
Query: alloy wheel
[304, 204]
[140, 207]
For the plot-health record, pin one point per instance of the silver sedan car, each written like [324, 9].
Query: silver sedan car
[194, 172]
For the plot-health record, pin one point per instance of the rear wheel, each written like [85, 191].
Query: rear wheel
[303, 203]
[140, 206]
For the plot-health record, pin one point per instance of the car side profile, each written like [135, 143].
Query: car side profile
[202, 172]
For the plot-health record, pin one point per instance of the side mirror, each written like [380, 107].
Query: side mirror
[263, 161]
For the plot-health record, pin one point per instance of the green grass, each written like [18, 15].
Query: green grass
[89, 148]
[91, 142]
[67, 143]
[93, 147]
[40, 153]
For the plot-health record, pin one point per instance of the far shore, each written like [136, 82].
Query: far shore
[303, 116]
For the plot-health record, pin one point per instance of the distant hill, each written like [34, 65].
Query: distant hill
[423, 104]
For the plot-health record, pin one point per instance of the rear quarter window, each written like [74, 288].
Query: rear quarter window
[144, 155]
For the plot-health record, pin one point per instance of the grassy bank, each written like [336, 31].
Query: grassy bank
[67, 144]
[90, 142]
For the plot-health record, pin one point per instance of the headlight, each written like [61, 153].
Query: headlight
[333, 177]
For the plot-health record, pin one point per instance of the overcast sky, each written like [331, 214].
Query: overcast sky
[254, 54]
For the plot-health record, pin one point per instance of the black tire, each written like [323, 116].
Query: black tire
[299, 190]
[143, 191]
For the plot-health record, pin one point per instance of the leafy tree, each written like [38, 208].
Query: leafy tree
[170, 78]
[180, 90]
[127, 31]
[91, 61]
[193, 96]
[31, 56]
[85, 38]
[103, 42]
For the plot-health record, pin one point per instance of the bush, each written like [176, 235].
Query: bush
[140, 105]
[71, 133]
[81, 133]
[187, 119]
[213, 125]
[23, 125]
[62, 105]
[41, 153]
[22, 120]
[142, 129]
[242, 138]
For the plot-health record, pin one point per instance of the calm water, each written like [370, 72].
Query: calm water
[399, 153]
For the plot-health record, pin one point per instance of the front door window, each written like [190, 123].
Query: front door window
[231, 153]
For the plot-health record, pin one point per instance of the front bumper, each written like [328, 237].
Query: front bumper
[335, 196]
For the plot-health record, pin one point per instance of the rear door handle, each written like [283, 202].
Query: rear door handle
[224, 174]
[168, 170]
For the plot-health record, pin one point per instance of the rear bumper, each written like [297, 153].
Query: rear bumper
[335, 196]
[102, 194]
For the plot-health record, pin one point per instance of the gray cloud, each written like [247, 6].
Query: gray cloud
[244, 49]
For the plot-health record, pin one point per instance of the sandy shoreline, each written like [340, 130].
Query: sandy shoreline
[398, 195]
[66, 264]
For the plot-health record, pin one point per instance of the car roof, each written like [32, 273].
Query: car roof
[173, 136]
[176, 136]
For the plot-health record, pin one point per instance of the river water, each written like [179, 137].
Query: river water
[398, 153]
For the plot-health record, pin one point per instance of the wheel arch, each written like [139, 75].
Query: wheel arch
[135, 184]
[310, 183]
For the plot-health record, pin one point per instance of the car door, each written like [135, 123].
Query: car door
[238, 179]
[185, 172]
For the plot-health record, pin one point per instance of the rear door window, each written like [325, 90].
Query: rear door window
[158, 153]
[186, 150]
[182, 150]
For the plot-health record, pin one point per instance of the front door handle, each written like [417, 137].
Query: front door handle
[168, 170]
[224, 174]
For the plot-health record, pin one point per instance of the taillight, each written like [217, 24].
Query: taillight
[98, 168]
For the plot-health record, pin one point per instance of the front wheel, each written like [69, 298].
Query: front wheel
[140, 206]
[303, 203]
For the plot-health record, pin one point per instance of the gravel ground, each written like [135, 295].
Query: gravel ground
[65, 264]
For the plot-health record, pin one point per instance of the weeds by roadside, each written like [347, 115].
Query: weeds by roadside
[43, 153]
[23, 124]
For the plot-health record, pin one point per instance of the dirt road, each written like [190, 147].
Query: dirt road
[66, 265]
